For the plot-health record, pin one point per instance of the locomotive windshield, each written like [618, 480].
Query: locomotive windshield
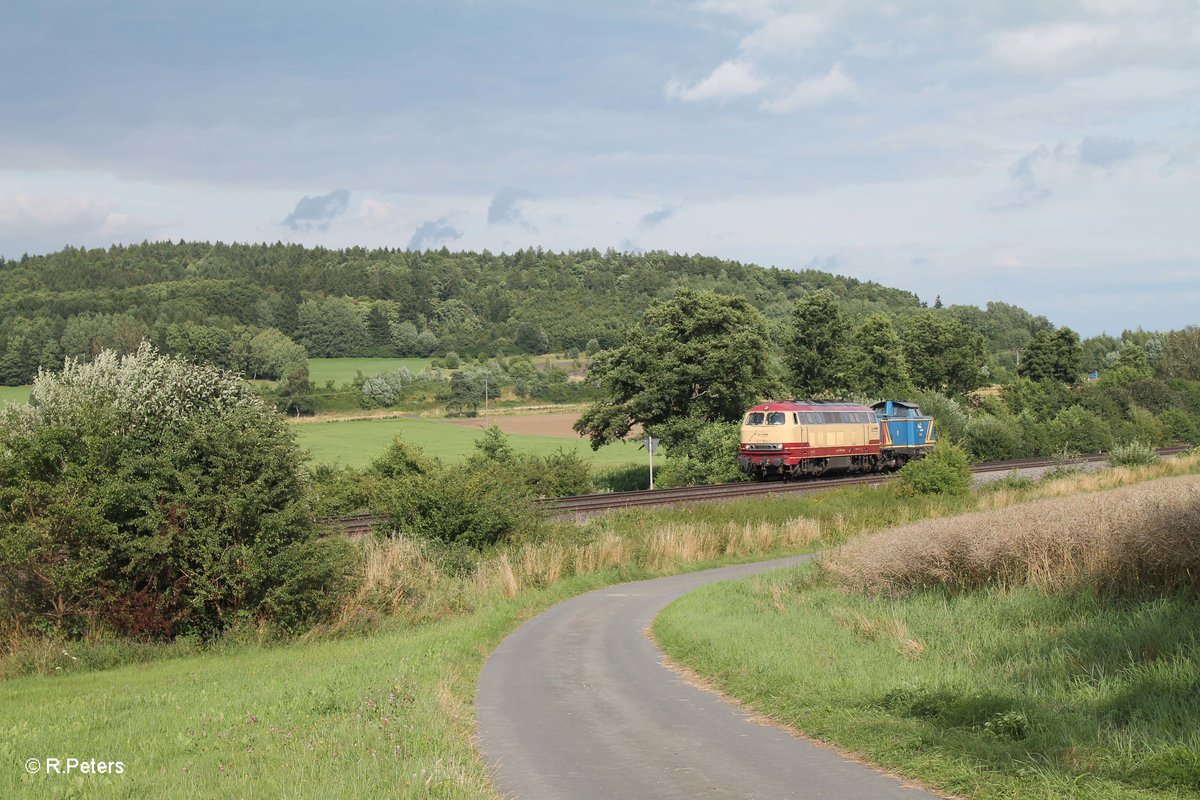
[754, 418]
[776, 418]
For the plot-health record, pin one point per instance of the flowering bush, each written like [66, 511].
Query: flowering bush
[150, 496]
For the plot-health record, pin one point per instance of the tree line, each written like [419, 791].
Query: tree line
[206, 301]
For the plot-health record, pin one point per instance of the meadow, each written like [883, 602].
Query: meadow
[355, 443]
[983, 654]
[343, 370]
[14, 394]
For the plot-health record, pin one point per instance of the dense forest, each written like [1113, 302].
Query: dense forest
[247, 307]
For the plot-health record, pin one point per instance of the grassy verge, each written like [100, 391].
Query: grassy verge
[355, 443]
[1057, 661]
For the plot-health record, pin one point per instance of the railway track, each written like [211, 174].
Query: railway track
[582, 506]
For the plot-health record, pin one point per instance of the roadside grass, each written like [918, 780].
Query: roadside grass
[378, 701]
[1036, 670]
[357, 442]
[14, 394]
[382, 716]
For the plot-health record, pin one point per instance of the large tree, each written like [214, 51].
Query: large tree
[815, 355]
[876, 359]
[943, 354]
[701, 356]
[1053, 355]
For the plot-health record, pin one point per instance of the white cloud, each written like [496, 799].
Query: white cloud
[1052, 45]
[814, 92]
[729, 80]
[784, 35]
[375, 213]
[756, 10]
[23, 208]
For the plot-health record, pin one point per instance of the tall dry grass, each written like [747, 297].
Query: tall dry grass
[403, 578]
[1137, 540]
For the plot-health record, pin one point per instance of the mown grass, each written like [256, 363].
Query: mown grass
[355, 443]
[14, 394]
[1036, 670]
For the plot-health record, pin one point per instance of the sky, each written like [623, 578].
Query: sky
[1045, 154]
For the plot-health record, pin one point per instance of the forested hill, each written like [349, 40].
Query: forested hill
[210, 301]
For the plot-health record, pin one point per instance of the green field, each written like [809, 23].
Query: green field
[354, 443]
[343, 370]
[14, 394]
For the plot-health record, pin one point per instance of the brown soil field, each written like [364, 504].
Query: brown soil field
[537, 424]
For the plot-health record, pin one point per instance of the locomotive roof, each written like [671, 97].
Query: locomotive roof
[808, 405]
[901, 403]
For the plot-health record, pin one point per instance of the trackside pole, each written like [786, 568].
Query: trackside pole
[651, 444]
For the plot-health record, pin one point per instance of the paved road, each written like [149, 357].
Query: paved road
[576, 704]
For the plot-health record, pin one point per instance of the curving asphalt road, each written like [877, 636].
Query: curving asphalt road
[577, 704]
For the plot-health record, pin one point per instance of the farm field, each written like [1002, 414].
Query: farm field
[14, 394]
[354, 443]
[343, 370]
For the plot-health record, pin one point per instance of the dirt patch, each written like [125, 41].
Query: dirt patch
[535, 424]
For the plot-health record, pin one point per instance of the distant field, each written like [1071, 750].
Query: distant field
[342, 370]
[355, 443]
[14, 394]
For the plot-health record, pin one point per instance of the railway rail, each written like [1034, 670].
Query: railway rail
[582, 506]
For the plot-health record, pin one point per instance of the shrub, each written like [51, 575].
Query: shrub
[1132, 454]
[705, 453]
[944, 471]
[1079, 430]
[989, 438]
[630, 478]
[948, 414]
[385, 389]
[1180, 426]
[156, 497]
[476, 508]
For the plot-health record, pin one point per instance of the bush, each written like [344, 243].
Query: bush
[947, 413]
[560, 474]
[1132, 454]
[703, 453]
[1078, 430]
[989, 438]
[476, 508]
[385, 389]
[1180, 426]
[944, 471]
[155, 497]
[630, 478]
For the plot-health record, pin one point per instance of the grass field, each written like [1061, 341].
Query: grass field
[343, 370]
[14, 394]
[355, 443]
[1032, 670]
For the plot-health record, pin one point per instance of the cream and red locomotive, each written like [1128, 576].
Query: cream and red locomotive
[810, 437]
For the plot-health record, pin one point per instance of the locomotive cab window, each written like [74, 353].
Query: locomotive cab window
[776, 418]
[754, 418]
